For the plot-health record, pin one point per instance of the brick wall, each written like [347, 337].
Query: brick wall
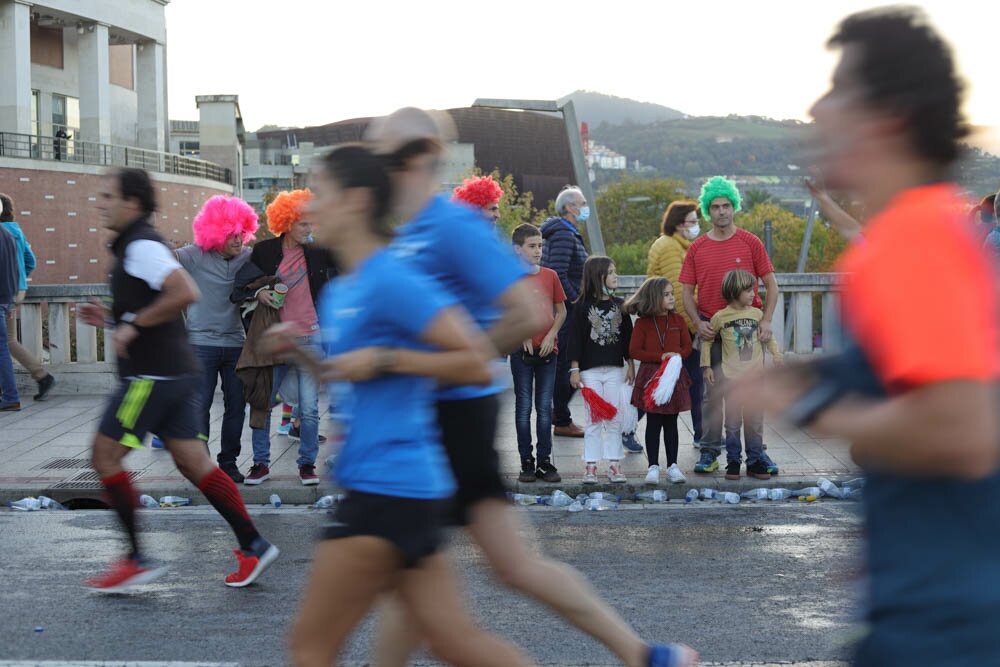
[56, 211]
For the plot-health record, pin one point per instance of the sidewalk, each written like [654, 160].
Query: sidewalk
[45, 451]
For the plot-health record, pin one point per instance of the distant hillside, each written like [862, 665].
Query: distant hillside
[750, 146]
[596, 108]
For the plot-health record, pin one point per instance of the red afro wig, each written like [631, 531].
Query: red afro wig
[220, 218]
[286, 210]
[479, 191]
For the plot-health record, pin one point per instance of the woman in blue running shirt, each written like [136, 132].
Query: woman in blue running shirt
[389, 335]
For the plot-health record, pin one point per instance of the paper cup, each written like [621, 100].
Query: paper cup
[278, 294]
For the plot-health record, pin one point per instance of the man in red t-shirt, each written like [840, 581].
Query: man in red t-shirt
[724, 248]
[535, 363]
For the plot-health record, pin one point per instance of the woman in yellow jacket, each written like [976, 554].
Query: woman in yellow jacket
[666, 256]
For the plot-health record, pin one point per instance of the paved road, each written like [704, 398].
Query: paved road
[747, 584]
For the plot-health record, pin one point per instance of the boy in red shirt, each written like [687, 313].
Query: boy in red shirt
[534, 363]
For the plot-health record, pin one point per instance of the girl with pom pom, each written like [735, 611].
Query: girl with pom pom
[598, 344]
[660, 334]
[221, 230]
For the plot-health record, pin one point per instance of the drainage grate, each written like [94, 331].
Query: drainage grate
[90, 480]
[65, 463]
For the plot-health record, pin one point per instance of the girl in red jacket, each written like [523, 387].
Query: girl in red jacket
[659, 333]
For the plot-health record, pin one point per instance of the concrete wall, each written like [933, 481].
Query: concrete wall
[56, 211]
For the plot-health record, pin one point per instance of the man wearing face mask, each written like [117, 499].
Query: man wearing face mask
[565, 253]
[666, 257]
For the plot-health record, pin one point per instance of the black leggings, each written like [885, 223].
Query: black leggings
[654, 423]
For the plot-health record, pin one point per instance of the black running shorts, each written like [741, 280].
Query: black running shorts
[412, 525]
[468, 429]
[167, 407]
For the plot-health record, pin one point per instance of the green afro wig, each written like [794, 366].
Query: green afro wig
[718, 186]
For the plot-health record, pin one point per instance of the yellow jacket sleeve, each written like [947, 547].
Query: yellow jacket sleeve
[666, 257]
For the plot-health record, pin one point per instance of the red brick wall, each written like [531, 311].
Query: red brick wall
[56, 211]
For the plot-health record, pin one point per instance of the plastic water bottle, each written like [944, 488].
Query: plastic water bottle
[691, 496]
[148, 501]
[829, 488]
[655, 496]
[813, 491]
[174, 501]
[325, 501]
[575, 506]
[582, 498]
[28, 504]
[780, 494]
[274, 499]
[558, 499]
[853, 494]
[852, 484]
[601, 504]
[605, 496]
[50, 503]
[729, 498]
[756, 494]
[709, 494]
[524, 499]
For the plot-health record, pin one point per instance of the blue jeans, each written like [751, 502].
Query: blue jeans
[692, 363]
[543, 378]
[753, 430]
[711, 407]
[8, 385]
[562, 391]
[216, 362]
[308, 410]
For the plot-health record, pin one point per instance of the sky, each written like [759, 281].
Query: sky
[311, 62]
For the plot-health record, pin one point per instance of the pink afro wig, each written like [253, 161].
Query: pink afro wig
[478, 191]
[220, 218]
[286, 210]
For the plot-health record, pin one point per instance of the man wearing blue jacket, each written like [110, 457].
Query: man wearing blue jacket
[25, 265]
[565, 253]
[9, 400]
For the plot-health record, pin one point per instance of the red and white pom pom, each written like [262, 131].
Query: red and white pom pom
[600, 410]
[660, 389]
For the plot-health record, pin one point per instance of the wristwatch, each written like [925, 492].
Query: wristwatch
[128, 318]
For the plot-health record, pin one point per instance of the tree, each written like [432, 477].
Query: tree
[632, 209]
[756, 196]
[788, 231]
[262, 231]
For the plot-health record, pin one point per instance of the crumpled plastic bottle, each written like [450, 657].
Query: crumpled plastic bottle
[524, 499]
[756, 494]
[28, 504]
[829, 488]
[691, 496]
[149, 502]
[654, 496]
[174, 501]
[601, 504]
[557, 499]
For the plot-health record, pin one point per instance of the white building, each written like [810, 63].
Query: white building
[95, 70]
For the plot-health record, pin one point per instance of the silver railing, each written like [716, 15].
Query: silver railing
[75, 151]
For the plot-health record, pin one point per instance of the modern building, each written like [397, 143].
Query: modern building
[84, 88]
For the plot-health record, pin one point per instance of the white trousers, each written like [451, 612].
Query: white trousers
[603, 440]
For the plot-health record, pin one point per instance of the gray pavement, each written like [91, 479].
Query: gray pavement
[45, 449]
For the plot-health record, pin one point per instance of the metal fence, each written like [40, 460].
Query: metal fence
[60, 149]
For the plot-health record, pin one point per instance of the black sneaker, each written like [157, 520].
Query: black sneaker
[294, 434]
[527, 471]
[758, 470]
[630, 444]
[733, 470]
[234, 473]
[547, 472]
[44, 387]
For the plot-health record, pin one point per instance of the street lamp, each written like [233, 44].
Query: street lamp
[564, 105]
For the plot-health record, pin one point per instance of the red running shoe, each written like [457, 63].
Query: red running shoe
[251, 566]
[122, 575]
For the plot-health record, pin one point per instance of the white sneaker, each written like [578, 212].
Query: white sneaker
[590, 474]
[653, 476]
[674, 475]
[615, 473]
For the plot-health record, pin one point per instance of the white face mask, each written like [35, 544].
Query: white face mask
[691, 233]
